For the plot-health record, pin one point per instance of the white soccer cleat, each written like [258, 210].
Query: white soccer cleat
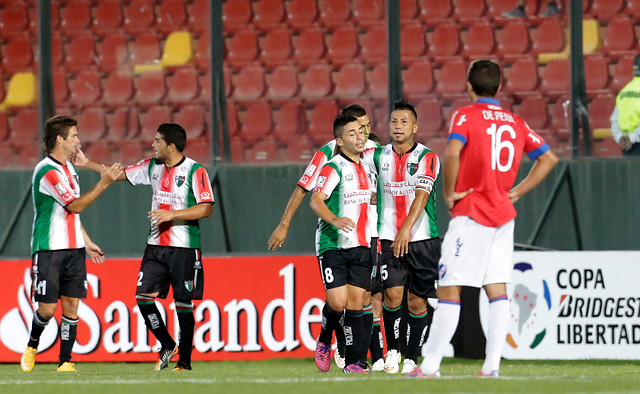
[392, 361]
[378, 366]
[338, 359]
[408, 365]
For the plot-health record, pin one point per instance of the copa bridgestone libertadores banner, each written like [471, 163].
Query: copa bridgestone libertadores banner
[253, 308]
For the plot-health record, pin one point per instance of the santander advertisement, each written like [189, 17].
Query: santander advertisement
[253, 308]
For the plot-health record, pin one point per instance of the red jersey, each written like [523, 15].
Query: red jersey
[494, 140]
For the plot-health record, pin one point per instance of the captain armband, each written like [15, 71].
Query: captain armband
[425, 184]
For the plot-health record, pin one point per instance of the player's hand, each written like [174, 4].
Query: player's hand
[514, 196]
[278, 236]
[158, 216]
[344, 224]
[455, 197]
[111, 174]
[400, 245]
[625, 143]
[94, 251]
[78, 158]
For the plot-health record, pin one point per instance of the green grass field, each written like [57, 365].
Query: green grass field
[301, 376]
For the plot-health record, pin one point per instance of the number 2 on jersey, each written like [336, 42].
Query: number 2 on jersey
[498, 144]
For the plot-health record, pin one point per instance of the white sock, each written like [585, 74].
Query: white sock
[445, 322]
[497, 333]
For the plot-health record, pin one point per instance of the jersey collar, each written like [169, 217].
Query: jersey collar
[54, 160]
[415, 144]
[487, 100]
[346, 157]
[178, 163]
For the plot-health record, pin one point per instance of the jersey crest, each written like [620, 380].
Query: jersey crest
[180, 180]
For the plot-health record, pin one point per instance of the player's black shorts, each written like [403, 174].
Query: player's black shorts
[418, 270]
[58, 273]
[166, 265]
[376, 280]
[346, 266]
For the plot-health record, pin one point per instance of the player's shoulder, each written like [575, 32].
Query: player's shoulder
[328, 149]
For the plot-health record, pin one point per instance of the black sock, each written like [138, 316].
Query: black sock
[68, 331]
[367, 323]
[330, 320]
[340, 336]
[417, 328]
[187, 326]
[391, 318]
[38, 325]
[154, 321]
[376, 344]
[353, 328]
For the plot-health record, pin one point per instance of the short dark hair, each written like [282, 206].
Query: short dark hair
[484, 77]
[174, 134]
[403, 105]
[339, 122]
[58, 125]
[355, 110]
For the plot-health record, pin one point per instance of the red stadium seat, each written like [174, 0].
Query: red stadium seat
[146, 48]
[26, 154]
[452, 80]
[548, 37]
[369, 12]
[623, 72]
[289, 121]
[151, 87]
[123, 123]
[76, 17]
[618, 37]
[202, 57]
[205, 85]
[633, 8]
[14, 19]
[191, 117]
[92, 124]
[606, 148]
[468, 12]
[269, 14]
[479, 41]
[183, 85]
[129, 152]
[521, 77]
[445, 43]
[559, 119]
[378, 82]
[513, 39]
[108, 17]
[350, 81]
[243, 48]
[97, 150]
[56, 50]
[321, 123]
[374, 45]
[605, 10]
[418, 79]
[334, 13]
[283, 83]
[80, 53]
[4, 130]
[596, 70]
[343, 45]
[414, 45]
[316, 81]
[276, 48]
[434, 12]
[309, 48]
[60, 87]
[199, 150]
[533, 109]
[556, 79]
[497, 7]
[232, 118]
[237, 151]
[139, 16]
[249, 84]
[429, 117]
[298, 150]
[118, 88]
[302, 14]
[24, 126]
[172, 16]
[600, 110]
[437, 145]
[17, 55]
[236, 14]
[198, 17]
[150, 120]
[408, 10]
[257, 122]
[86, 88]
[112, 52]
[265, 151]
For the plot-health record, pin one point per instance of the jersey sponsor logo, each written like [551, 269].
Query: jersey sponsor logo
[61, 189]
[205, 195]
[180, 180]
[385, 167]
[461, 120]
[321, 181]
[412, 168]
[310, 170]
[348, 177]
[534, 138]
[155, 177]
[304, 179]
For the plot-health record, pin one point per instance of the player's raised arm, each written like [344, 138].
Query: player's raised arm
[107, 177]
[80, 160]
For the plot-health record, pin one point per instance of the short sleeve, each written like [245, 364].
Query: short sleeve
[534, 145]
[459, 128]
[53, 184]
[138, 174]
[308, 179]
[202, 186]
[429, 169]
[327, 180]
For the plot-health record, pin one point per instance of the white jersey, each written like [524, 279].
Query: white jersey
[54, 186]
[346, 185]
[179, 187]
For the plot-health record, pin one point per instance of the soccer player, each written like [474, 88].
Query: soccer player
[408, 232]
[482, 158]
[59, 240]
[341, 199]
[181, 195]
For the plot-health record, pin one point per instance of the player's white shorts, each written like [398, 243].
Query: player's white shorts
[476, 255]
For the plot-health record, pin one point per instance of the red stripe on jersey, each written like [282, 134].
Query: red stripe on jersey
[361, 226]
[166, 185]
[307, 182]
[71, 217]
[399, 176]
[202, 186]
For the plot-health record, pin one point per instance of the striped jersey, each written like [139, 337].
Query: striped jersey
[319, 159]
[348, 190]
[179, 187]
[398, 179]
[54, 186]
